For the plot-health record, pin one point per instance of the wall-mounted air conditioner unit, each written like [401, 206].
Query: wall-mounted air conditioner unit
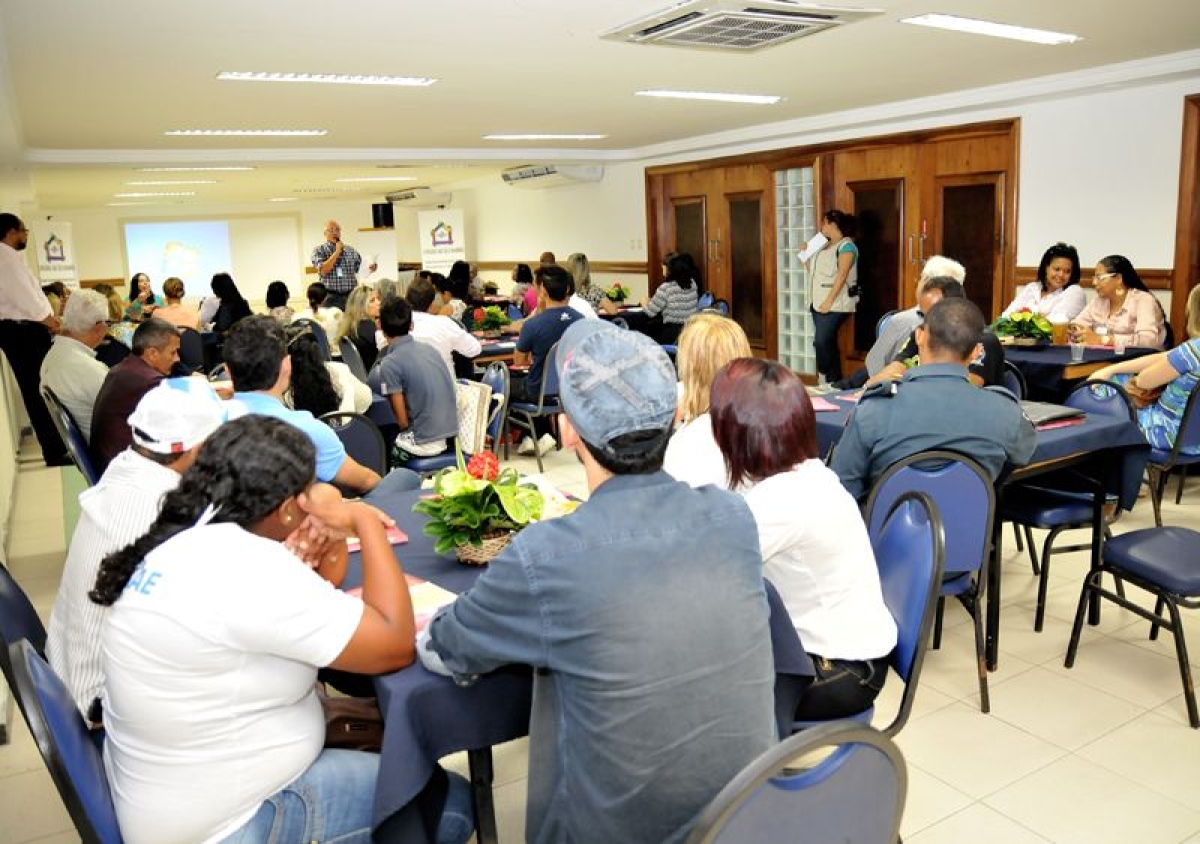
[419, 198]
[551, 175]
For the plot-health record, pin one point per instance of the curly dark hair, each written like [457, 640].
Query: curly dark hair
[245, 470]
[311, 386]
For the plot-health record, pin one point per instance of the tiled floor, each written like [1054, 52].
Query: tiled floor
[1097, 753]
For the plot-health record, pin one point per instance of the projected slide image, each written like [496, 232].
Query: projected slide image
[191, 251]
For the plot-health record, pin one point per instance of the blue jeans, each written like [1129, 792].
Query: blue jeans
[397, 480]
[332, 802]
[825, 340]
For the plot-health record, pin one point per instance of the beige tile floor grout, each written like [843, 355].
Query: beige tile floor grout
[1098, 753]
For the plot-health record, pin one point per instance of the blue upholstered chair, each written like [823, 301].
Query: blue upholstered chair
[1030, 506]
[66, 746]
[1165, 561]
[908, 542]
[838, 782]
[522, 413]
[882, 323]
[496, 377]
[191, 349]
[1165, 461]
[966, 503]
[361, 438]
[18, 620]
[352, 358]
[72, 435]
[705, 301]
[1013, 380]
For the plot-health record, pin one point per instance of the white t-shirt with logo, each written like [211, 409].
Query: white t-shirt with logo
[210, 656]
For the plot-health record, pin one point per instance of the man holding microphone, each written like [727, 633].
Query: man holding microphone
[337, 265]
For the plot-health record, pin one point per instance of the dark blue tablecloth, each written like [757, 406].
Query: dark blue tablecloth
[1044, 366]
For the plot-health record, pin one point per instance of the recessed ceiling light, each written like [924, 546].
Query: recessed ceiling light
[283, 199]
[997, 30]
[125, 204]
[241, 133]
[543, 137]
[750, 99]
[377, 179]
[138, 195]
[326, 78]
[149, 182]
[192, 169]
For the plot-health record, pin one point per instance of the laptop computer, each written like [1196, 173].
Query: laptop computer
[1040, 412]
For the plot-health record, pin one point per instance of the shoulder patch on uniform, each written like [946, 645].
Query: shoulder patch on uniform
[885, 389]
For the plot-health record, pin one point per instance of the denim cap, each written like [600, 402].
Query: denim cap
[176, 416]
[614, 382]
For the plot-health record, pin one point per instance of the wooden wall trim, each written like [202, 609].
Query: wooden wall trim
[121, 285]
[611, 267]
[1156, 279]
[1187, 217]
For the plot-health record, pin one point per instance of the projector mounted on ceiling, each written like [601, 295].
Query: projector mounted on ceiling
[742, 26]
[551, 175]
[419, 198]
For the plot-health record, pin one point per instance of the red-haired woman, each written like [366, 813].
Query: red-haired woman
[814, 544]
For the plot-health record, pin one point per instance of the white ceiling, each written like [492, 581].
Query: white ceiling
[92, 86]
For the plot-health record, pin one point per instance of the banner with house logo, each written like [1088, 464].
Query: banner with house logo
[54, 251]
[443, 239]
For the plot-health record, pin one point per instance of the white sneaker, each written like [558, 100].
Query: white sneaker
[546, 444]
[526, 446]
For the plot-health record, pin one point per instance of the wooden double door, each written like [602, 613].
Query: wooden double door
[724, 218]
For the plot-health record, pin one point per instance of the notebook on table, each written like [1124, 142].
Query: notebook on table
[1042, 413]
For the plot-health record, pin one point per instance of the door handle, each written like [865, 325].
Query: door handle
[909, 240]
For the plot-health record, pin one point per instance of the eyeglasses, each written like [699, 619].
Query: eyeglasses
[1096, 279]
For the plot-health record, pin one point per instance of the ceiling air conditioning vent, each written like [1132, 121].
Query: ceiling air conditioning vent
[736, 26]
[419, 198]
[551, 175]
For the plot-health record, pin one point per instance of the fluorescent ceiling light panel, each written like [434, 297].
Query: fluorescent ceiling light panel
[137, 195]
[326, 78]
[125, 204]
[377, 179]
[282, 199]
[543, 137]
[748, 99]
[192, 169]
[247, 133]
[160, 182]
[996, 30]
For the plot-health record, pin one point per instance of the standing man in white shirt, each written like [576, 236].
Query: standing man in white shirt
[337, 265]
[26, 327]
[70, 368]
[441, 332]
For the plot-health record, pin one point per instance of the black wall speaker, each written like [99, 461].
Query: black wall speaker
[381, 215]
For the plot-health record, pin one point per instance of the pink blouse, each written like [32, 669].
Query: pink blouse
[1139, 321]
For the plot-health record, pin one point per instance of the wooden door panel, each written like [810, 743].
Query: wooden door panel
[969, 225]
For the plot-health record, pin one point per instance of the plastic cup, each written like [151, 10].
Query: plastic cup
[1118, 346]
[1058, 333]
[1077, 352]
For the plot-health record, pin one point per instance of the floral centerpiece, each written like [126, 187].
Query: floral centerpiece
[476, 508]
[617, 293]
[1023, 327]
[491, 318]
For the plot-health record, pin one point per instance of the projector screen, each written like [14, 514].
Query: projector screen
[191, 251]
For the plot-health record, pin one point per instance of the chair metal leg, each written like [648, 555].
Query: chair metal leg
[1039, 615]
[1183, 470]
[1017, 537]
[1157, 481]
[1033, 558]
[1185, 668]
[1158, 608]
[480, 765]
[1077, 626]
[985, 703]
[937, 622]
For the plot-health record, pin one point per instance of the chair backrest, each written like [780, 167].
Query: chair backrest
[352, 358]
[722, 306]
[18, 620]
[220, 372]
[1187, 440]
[72, 435]
[1013, 380]
[908, 546]
[705, 301]
[549, 392]
[66, 746]
[620, 323]
[496, 377]
[319, 332]
[515, 313]
[1102, 398]
[191, 349]
[965, 496]
[883, 320]
[796, 792]
[362, 439]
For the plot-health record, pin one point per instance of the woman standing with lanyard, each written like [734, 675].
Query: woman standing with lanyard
[833, 289]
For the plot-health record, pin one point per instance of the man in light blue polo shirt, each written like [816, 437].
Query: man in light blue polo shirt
[256, 353]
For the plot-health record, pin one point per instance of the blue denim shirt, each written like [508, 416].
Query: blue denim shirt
[646, 613]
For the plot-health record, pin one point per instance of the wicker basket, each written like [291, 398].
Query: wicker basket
[481, 555]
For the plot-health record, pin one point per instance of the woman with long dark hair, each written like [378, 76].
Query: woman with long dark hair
[675, 299]
[142, 299]
[231, 305]
[213, 641]
[1124, 312]
[815, 546]
[833, 290]
[1056, 293]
